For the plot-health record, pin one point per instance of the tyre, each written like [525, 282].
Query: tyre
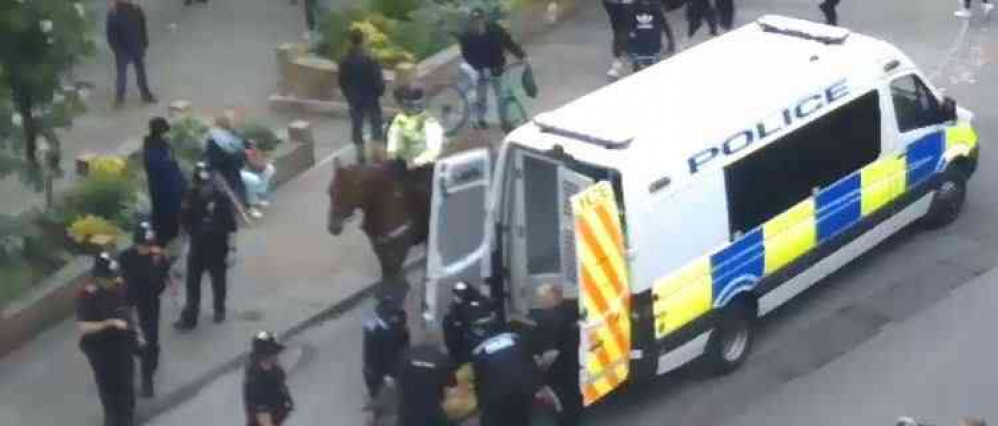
[450, 107]
[948, 201]
[732, 338]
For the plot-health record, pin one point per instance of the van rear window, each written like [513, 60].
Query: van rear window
[787, 171]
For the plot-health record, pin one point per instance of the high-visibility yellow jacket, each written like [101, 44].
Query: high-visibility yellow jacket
[416, 139]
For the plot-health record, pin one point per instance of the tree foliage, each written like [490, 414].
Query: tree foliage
[40, 40]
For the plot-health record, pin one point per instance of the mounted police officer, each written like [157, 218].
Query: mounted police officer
[266, 398]
[385, 338]
[146, 270]
[415, 140]
[209, 218]
[109, 340]
[506, 375]
[457, 321]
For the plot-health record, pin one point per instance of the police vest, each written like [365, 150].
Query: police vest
[412, 135]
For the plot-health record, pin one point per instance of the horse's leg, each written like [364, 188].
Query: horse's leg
[391, 257]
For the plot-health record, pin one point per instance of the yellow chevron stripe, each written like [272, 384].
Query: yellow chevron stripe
[790, 235]
[883, 181]
[682, 297]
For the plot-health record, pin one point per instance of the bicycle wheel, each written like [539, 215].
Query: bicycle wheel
[450, 107]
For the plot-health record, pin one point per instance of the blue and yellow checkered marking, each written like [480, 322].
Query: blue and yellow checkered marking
[713, 280]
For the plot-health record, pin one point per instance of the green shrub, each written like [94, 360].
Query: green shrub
[396, 9]
[187, 138]
[265, 138]
[102, 196]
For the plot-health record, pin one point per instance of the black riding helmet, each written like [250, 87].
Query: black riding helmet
[389, 310]
[144, 234]
[265, 344]
[104, 266]
[413, 99]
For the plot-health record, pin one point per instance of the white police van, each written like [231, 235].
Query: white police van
[742, 172]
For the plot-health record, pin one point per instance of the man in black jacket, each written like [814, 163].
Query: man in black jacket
[363, 84]
[127, 36]
[483, 47]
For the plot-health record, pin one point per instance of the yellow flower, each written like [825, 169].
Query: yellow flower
[107, 166]
[83, 229]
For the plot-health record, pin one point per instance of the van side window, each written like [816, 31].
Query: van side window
[787, 171]
[914, 104]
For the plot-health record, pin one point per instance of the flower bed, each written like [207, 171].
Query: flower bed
[97, 211]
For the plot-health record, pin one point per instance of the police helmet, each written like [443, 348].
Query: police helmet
[462, 292]
[202, 173]
[413, 100]
[104, 266]
[144, 234]
[390, 311]
[265, 344]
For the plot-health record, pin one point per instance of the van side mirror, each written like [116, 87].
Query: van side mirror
[947, 111]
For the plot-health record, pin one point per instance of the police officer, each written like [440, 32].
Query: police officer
[385, 337]
[555, 339]
[146, 269]
[423, 374]
[457, 320]
[109, 340]
[265, 392]
[506, 376]
[647, 25]
[208, 217]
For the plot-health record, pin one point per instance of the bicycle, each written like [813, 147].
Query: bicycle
[452, 104]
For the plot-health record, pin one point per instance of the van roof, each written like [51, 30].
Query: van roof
[655, 120]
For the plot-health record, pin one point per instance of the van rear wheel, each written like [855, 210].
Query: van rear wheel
[948, 201]
[732, 338]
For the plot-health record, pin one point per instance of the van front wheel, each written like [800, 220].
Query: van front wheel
[948, 201]
[731, 340]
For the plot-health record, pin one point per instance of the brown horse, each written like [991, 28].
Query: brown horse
[396, 217]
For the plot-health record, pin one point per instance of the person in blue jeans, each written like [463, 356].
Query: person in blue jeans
[128, 38]
[483, 47]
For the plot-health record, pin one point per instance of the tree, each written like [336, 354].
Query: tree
[40, 40]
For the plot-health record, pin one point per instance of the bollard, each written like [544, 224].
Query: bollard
[300, 131]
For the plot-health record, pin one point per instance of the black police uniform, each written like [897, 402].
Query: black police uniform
[385, 338]
[109, 351]
[145, 278]
[209, 219]
[557, 329]
[423, 374]
[455, 326]
[506, 379]
[266, 391]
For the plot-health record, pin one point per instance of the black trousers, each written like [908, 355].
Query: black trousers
[121, 61]
[966, 3]
[725, 13]
[197, 264]
[113, 368]
[511, 410]
[361, 111]
[618, 25]
[696, 12]
[148, 313]
[831, 16]
[571, 402]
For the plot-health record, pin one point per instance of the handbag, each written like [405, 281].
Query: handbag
[528, 81]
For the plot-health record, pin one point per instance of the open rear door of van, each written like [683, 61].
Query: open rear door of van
[604, 293]
[457, 249]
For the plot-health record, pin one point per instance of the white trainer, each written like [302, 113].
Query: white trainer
[962, 13]
[987, 8]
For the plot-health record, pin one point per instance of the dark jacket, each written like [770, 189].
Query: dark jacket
[361, 78]
[166, 186]
[126, 29]
[486, 50]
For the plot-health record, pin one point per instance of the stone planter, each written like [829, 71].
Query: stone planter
[309, 82]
